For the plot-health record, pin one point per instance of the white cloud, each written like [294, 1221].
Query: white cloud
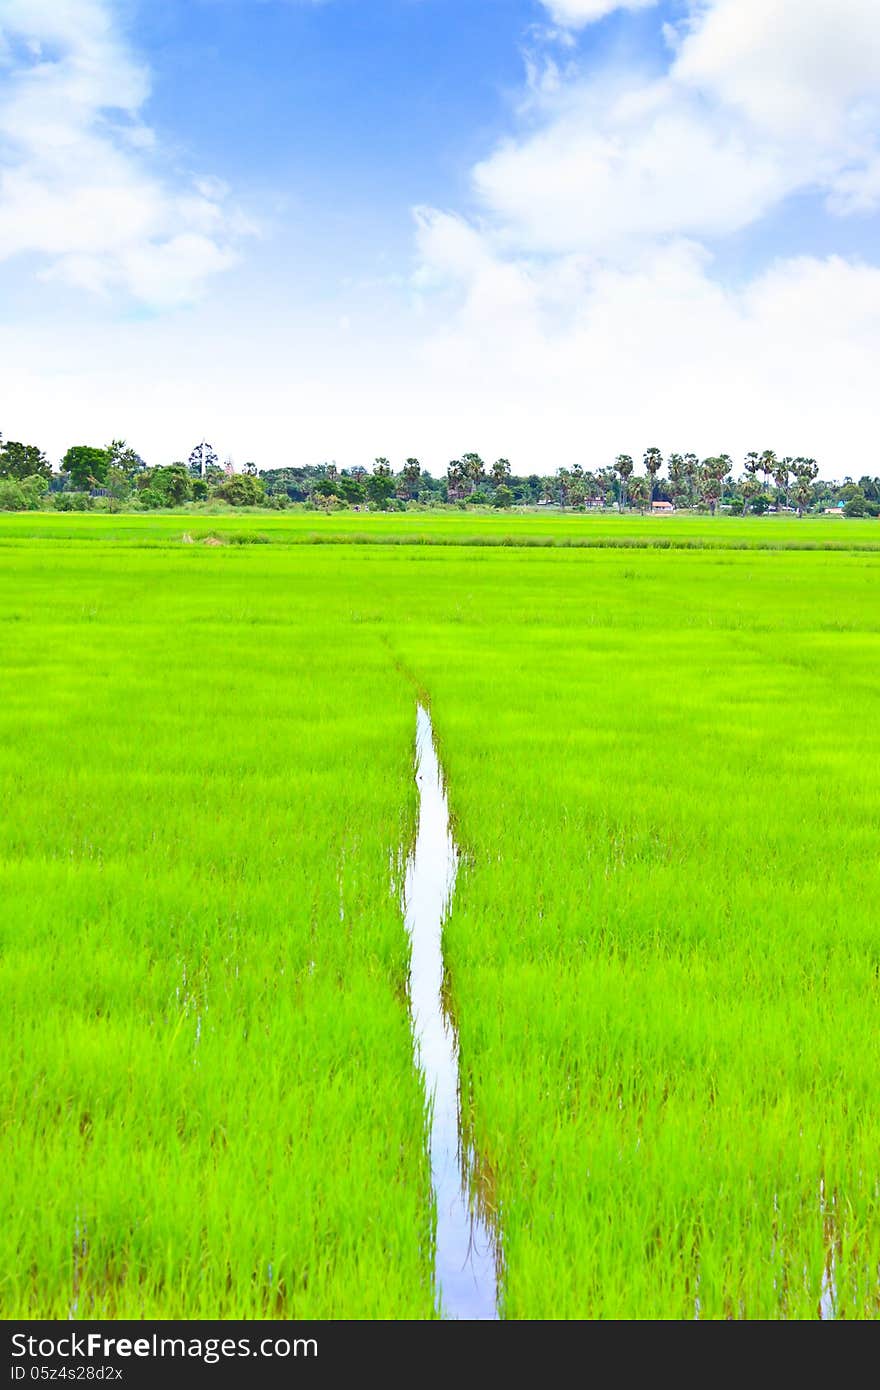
[547, 361]
[762, 98]
[575, 14]
[579, 312]
[586, 359]
[808, 70]
[612, 166]
[856, 190]
[585, 296]
[75, 184]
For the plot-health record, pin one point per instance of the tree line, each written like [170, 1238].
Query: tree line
[116, 477]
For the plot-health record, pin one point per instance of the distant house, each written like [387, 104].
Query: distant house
[662, 507]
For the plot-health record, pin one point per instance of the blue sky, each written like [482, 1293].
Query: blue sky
[549, 229]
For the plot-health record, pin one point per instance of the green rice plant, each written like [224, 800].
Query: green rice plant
[664, 947]
[521, 528]
[209, 1106]
[662, 952]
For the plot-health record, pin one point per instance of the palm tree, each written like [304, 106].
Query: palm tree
[710, 483]
[712, 474]
[409, 479]
[725, 465]
[474, 470]
[768, 465]
[750, 490]
[606, 481]
[563, 483]
[623, 466]
[692, 474]
[577, 486]
[454, 480]
[653, 462]
[500, 472]
[780, 476]
[675, 469]
[640, 491]
[805, 471]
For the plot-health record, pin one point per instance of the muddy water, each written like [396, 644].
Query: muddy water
[467, 1249]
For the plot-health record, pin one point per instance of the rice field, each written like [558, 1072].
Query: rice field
[663, 952]
[549, 528]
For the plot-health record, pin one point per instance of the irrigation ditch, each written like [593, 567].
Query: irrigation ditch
[467, 1259]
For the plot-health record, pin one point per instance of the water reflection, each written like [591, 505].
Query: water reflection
[467, 1249]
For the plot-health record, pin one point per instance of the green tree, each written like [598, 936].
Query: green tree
[677, 477]
[242, 490]
[805, 472]
[856, 506]
[350, 490]
[725, 473]
[768, 464]
[380, 485]
[870, 488]
[86, 466]
[781, 475]
[578, 488]
[118, 483]
[503, 496]
[594, 488]
[173, 484]
[410, 479]
[606, 482]
[121, 455]
[709, 489]
[19, 461]
[454, 480]
[751, 490]
[712, 474]
[692, 476]
[501, 472]
[24, 494]
[639, 491]
[11, 496]
[71, 501]
[653, 462]
[474, 471]
[623, 466]
[34, 488]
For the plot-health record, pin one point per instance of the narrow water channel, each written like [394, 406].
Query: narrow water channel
[467, 1250]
